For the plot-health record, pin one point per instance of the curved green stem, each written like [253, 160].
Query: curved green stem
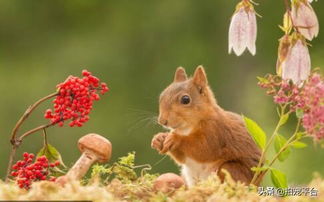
[290, 141]
[262, 158]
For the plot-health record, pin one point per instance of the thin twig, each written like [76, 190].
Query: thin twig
[29, 110]
[11, 160]
[35, 130]
[45, 137]
[17, 141]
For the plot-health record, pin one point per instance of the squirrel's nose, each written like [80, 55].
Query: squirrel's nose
[163, 121]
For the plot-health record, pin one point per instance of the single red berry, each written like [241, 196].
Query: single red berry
[26, 155]
[15, 167]
[57, 163]
[14, 174]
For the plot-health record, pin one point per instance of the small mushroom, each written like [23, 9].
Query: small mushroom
[94, 148]
[168, 182]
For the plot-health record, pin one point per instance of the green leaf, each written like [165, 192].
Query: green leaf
[299, 145]
[51, 154]
[279, 142]
[278, 178]
[299, 113]
[283, 119]
[299, 135]
[282, 28]
[262, 79]
[256, 132]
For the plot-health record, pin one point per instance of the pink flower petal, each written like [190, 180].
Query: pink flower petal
[237, 36]
[252, 32]
[304, 17]
[297, 65]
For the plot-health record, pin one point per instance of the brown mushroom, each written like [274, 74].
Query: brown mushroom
[94, 148]
[168, 182]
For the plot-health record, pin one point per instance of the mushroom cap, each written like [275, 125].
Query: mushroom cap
[168, 182]
[97, 144]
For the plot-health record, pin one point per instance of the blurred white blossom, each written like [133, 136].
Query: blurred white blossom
[305, 19]
[243, 29]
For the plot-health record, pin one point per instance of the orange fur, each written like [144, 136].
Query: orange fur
[203, 131]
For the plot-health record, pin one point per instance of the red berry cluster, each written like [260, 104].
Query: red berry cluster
[75, 99]
[26, 171]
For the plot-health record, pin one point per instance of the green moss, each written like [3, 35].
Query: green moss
[106, 183]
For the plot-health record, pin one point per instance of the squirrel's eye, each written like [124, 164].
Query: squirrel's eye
[185, 100]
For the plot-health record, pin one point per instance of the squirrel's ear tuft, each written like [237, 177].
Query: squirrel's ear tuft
[180, 75]
[200, 77]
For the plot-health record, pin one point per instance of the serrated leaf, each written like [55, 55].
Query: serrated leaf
[278, 178]
[283, 119]
[299, 113]
[51, 154]
[299, 145]
[256, 132]
[279, 142]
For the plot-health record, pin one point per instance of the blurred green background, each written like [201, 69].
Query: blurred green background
[135, 46]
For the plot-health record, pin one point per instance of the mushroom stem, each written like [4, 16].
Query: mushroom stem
[81, 167]
[94, 148]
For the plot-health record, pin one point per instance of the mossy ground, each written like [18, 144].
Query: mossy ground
[120, 182]
[141, 189]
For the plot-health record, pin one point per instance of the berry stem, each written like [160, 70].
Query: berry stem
[11, 160]
[35, 130]
[19, 141]
[16, 142]
[29, 110]
[45, 137]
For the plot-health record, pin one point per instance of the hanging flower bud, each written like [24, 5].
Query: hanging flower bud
[296, 64]
[305, 19]
[283, 49]
[243, 29]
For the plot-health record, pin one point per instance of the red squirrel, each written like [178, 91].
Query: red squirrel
[203, 137]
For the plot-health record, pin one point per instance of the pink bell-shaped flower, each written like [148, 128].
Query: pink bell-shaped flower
[297, 64]
[305, 19]
[243, 29]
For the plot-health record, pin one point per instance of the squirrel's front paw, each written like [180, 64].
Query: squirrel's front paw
[157, 141]
[170, 143]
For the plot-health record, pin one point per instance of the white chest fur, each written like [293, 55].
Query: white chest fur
[193, 171]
